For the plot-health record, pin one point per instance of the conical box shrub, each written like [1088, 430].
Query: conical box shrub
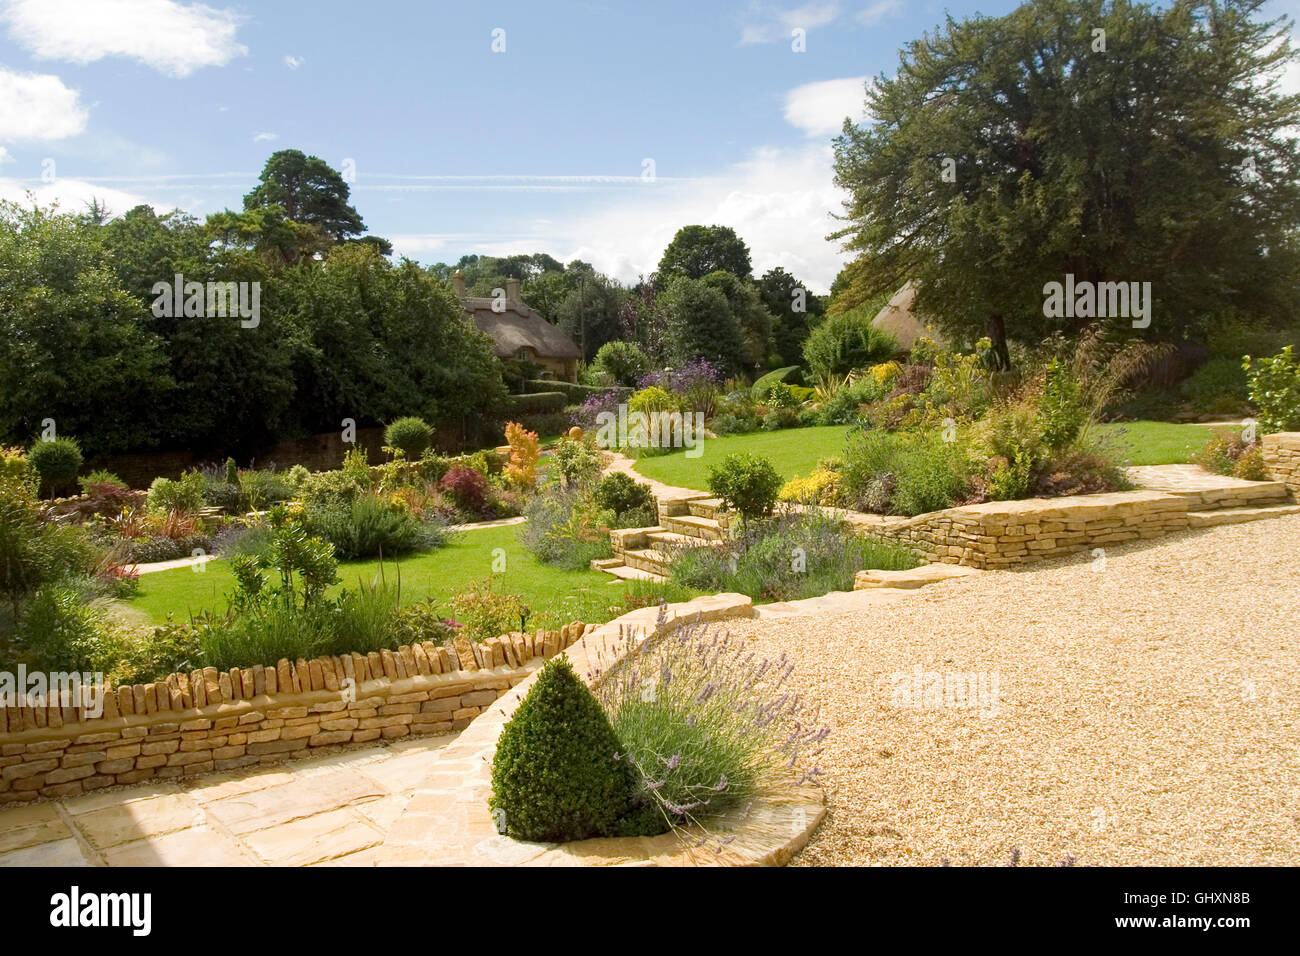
[558, 774]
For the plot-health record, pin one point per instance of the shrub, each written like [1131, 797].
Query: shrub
[422, 621]
[369, 526]
[845, 404]
[787, 558]
[1061, 412]
[903, 473]
[107, 498]
[565, 530]
[182, 494]
[618, 363]
[57, 461]
[747, 483]
[575, 461]
[1228, 453]
[653, 399]
[1219, 383]
[324, 488]
[707, 724]
[14, 465]
[100, 477]
[819, 488]
[538, 403]
[261, 488]
[559, 773]
[62, 630]
[524, 452]
[844, 342]
[408, 437]
[1274, 385]
[621, 494]
[776, 377]
[468, 489]
[484, 613]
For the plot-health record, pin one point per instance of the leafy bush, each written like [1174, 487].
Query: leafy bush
[182, 494]
[844, 342]
[422, 621]
[469, 489]
[559, 773]
[654, 399]
[707, 724]
[408, 436]
[1228, 453]
[787, 558]
[537, 403]
[576, 461]
[621, 494]
[261, 488]
[57, 461]
[325, 488]
[1217, 385]
[844, 405]
[100, 477]
[776, 377]
[524, 452]
[746, 483]
[903, 473]
[618, 363]
[484, 613]
[369, 526]
[565, 529]
[819, 488]
[1274, 385]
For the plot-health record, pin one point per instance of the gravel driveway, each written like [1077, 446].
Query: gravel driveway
[1136, 710]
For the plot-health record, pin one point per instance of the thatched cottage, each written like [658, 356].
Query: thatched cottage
[520, 333]
[898, 319]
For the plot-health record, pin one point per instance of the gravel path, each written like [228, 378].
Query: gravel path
[1144, 711]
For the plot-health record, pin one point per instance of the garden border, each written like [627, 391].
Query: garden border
[448, 822]
[208, 721]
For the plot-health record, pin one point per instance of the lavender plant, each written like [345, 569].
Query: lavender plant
[707, 723]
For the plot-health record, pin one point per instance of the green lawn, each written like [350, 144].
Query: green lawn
[1158, 443]
[795, 451]
[556, 596]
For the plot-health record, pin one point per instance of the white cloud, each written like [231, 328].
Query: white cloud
[293, 62]
[879, 11]
[72, 195]
[819, 108]
[778, 201]
[265, 137]
[4, 156]
[37, 106]
[171, 37]
[765, 23]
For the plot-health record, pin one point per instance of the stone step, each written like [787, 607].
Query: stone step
[632, 574]
[670, 540]
[627, 539]
[604, 564]
[693, 526]
[1245, 495]
[1218, 516]
[705, 507]
[913, 578]
[648, 559]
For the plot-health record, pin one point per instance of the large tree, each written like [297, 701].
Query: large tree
[698, 250]
[700, 325]
[795, 311]
[308, 190]
[1109, 140]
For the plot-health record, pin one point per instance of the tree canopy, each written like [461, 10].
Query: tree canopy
[695, 251]
[1109, 140]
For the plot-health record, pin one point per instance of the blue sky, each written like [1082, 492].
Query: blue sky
[458, 148]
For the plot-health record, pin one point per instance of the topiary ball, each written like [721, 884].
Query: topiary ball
[411, 436]
[57, 461]
[558, 774]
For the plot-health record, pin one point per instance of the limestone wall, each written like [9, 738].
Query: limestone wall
[205, 720]
[1000, 534]
[1282, 458]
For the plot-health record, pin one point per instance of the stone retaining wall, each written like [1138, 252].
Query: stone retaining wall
[205, 720]
[1000, 534]
[1282, 458]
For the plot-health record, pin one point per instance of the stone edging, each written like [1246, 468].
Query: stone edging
[209, 721]
[448, 821]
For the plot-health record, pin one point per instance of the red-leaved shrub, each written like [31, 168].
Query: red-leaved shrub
[468, 488]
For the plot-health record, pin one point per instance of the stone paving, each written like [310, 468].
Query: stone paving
[329, 810]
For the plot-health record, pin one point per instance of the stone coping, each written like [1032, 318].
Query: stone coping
[447, 821]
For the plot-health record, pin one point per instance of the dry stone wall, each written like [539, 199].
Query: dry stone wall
[1282, 458]
[205, 720]
[1000, 534]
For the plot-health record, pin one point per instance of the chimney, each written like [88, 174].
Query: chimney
[512, 292]
[458, 284]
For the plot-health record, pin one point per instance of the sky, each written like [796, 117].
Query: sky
[585, 130]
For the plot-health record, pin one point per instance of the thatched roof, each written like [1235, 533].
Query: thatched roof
[898, 319]
[517, 326]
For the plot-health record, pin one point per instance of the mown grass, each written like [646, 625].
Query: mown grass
[1157, 443]
[555, 596]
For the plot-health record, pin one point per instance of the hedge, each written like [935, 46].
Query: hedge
[536, 403]
[577, 394]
